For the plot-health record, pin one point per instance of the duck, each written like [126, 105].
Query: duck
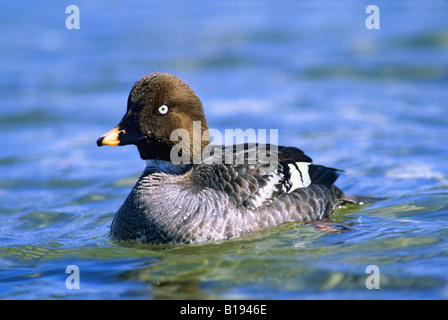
[192, 191]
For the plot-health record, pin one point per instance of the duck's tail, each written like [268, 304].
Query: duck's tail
[359, 200]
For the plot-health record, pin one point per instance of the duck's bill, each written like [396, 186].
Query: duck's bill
[118, 137]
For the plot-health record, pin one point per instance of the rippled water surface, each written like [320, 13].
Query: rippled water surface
[371, 102]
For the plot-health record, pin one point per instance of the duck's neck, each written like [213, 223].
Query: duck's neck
[156, 165]
[154, 151]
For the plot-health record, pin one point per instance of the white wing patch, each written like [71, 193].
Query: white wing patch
[265, 193]
[300, 177]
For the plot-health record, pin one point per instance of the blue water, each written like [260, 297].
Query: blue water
[371, 102]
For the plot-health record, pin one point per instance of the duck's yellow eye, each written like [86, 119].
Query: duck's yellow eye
[163, 109]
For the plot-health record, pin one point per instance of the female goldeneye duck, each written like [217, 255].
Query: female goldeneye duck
[210, 200]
